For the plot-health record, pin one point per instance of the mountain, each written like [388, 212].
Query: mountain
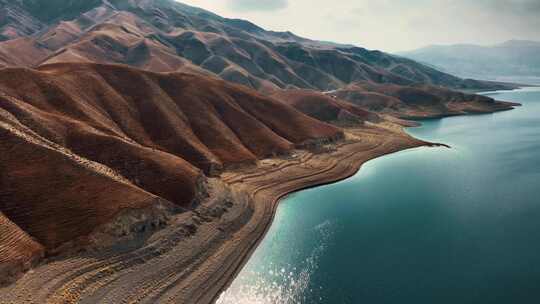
[326, 108]
[166, 36]
[96, 140]
[514, 58]
[413, 102]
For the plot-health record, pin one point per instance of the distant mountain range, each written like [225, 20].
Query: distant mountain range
[166, 36]
[514, 59]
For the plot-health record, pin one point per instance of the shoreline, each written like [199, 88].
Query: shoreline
[199, 254]
[324, 179]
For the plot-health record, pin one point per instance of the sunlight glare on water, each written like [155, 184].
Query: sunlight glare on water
[284, 284]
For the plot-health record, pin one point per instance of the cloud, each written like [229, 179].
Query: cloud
[257, 5]
[512, 6]
[390, 25]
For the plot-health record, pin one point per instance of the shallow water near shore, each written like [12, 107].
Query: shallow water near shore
[428, 225]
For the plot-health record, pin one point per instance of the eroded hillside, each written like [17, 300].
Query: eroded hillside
[83, 142]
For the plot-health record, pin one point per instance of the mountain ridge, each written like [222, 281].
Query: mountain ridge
[513, 58]
[165, 36]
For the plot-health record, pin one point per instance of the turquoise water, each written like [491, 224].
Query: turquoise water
[428, 225]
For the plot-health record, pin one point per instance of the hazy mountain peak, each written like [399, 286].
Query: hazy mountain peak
[520, 43]
[510, 59]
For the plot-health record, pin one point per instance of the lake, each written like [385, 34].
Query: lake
[428, 225]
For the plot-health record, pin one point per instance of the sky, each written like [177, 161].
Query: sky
[390, 25]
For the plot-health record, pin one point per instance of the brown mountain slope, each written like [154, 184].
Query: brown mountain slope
[21, 52]
[52, 196]
[222, 124]
[326, 108]
[18, 251]
[81, 143]
[421, 101]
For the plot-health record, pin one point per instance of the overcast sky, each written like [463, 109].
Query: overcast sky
[390, 25]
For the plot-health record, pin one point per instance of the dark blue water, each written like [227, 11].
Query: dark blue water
[429, 225]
